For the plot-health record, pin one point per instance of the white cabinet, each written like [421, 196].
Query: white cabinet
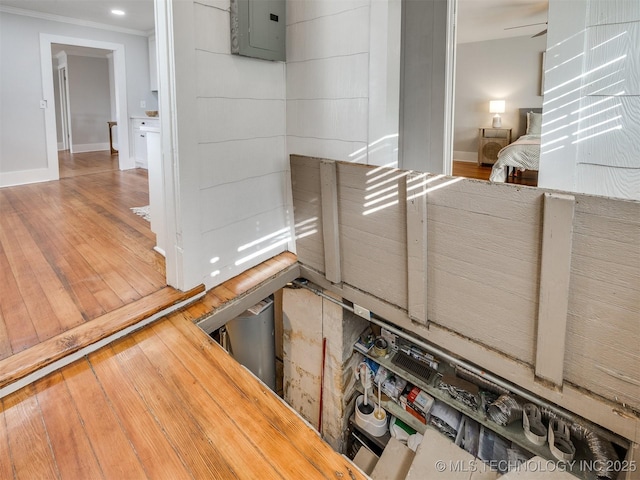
[153, 64]
[140, 148]
[140, 139]
[156, 186]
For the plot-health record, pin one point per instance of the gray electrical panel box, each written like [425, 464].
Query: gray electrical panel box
[258, 28]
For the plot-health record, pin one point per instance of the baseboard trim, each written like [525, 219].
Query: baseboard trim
[471, 157]
[89, 147]
[23, 177]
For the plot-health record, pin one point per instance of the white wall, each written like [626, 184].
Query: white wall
[22, 136]
[505, 69]
[233, 172]
[343, 79]
[328, 78]
[424, 82]
[590, 130]
[89, 98]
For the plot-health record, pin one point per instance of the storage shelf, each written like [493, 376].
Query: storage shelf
[379, 442]
[513, 432]
[396, 410]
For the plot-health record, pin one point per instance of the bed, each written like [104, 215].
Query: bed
[524, 153]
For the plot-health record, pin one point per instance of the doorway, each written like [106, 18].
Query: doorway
[63, 96]
[120, 96]
[85, 108]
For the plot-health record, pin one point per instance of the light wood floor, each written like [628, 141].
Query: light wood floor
[164, 402]
[71, 251]
[73, 165]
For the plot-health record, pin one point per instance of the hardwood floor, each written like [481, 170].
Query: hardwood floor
[164, 402]
[482, 172]
[87, 163]
[70, 252]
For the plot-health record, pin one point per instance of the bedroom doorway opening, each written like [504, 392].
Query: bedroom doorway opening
[498, 57]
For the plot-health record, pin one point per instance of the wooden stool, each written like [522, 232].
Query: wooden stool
[111, 125]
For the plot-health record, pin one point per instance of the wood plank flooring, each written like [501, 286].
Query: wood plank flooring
[482, 172]
[87, 163]
[72, 251]
[164, 402]
[76, 265]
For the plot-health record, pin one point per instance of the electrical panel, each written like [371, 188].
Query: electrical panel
[258, 28]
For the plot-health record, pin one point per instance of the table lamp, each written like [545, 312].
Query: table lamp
[497, 107]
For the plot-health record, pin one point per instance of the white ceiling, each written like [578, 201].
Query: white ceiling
[139, 13]
[480, 20]
[477, 19]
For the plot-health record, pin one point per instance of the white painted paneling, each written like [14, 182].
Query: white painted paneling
[614, 376]
[220, 251]
[609, 56]
[613, 11]
[555, 266]
[234, 160]
[373, 259]
[328, 119]
[608, 132]
[305, 183]
[484, 273]
[342, 77]
[304, 10]
[243, 77]
[232, 202]
[212, 29]
[563, 69]
[220, 4]
[332, 149]
[335, 35]
[222, 119]
[330, 227]
[604, 308]
[417, 242]
[423, 82]
[608, 182]
[589, 143]
[384, 82]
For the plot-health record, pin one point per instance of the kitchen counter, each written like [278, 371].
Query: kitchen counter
[143, 117]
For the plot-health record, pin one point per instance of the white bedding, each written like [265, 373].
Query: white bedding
[523, 154]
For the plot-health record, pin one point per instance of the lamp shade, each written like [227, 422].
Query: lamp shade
[496, 106]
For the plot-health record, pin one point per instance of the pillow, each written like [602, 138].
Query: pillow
[534, 123]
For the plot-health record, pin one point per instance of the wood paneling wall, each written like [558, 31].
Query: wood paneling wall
[473, 252]
[591, 100]
[233, 172]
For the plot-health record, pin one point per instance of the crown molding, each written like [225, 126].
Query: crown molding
[73, 21]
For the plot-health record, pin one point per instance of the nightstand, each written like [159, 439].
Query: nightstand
[490, 142]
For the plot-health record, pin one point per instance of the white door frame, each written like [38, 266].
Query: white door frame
[450, 86]
[125, 160]
[63, 86]
[174, 267]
